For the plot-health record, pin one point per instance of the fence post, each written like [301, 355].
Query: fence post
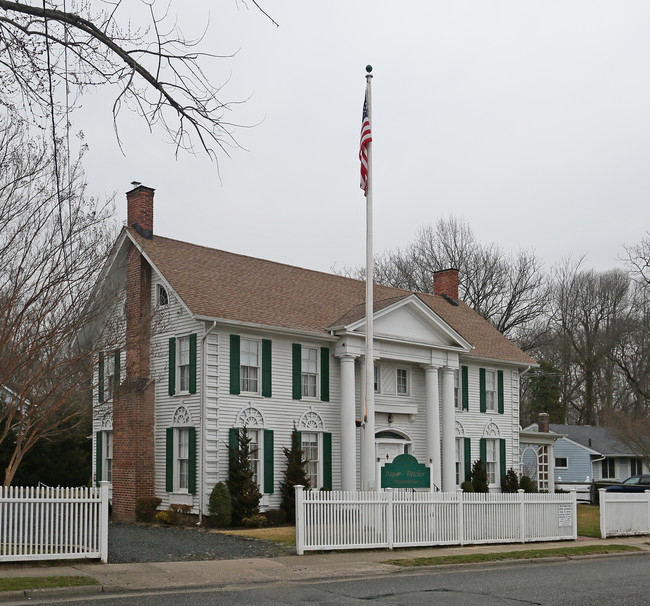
[103, 522]
[460, 530]
[389, 517]
[647, 496]
[300, 520]
[522, 516]
[602, 500]
[574, 508]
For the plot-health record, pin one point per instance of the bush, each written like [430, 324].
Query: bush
[256, 521]
[180, 515]
[478, 477]
[527, 485]
[467, 486]
[163, 517]
[219, 506]
[511, 482]
[244, 492]
[145, 508]
[294, 474]
[274, 517]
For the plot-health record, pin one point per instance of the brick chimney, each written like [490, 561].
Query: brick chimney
[543, 422]
[133, 401]
[445, 283]
[139, 205]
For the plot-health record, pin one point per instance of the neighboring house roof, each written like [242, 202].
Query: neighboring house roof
[604, 440]
[221, 285]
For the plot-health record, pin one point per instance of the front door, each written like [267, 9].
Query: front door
[389, 444]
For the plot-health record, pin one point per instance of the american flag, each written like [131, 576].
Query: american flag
[366, 138]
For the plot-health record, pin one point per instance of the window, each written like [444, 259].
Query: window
[492, 460]
[377, 372]
[260, 455]
[608, 469]
[309, 375]
[182, 459]
[250, 365]
[309, 445]
[457, 393]
[180, 452]
[460, 461]
[490, 390]
[402, 382]
[636, 467]
[162, 298]
[561, 462]
[108, 456]
[109, 377]
[104, 456]
[254, 454]
[183, 363]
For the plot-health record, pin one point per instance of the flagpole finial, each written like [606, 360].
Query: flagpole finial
[369, 68]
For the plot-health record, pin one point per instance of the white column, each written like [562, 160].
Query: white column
[448, 431]
[348, 427]
[433, 423]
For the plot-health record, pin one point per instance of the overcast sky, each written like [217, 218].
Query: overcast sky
[528, 119]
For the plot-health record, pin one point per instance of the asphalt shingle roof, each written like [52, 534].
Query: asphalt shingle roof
[604, 440]
[223, 285]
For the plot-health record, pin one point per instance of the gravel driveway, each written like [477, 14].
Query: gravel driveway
[129, 543]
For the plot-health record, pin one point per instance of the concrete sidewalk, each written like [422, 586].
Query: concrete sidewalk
[286, 569]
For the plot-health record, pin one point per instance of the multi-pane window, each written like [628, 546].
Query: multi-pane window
[457, 394]
[492, 460]
[250, 365]
[182, 457]
[254, 453]
[163, 297]
[608, 468]
[561, 462]
[309, 372]
[636, 467]
[109, 377]
[377, 372]
[490, 390]
[402, 382]
[460, 460]
[309, 446]
[108, 456]
[184, 363]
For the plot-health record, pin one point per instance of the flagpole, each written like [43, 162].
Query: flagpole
[369, 411]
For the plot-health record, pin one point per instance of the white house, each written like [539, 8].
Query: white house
[211, 342]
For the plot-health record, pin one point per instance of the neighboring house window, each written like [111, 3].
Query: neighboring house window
[402, 382]
[561, 462]
[636, 467]
[162, 298]
[310, 372]
[608, 469]
[377, 373]
[309, 367]
[182, 365]
[250, 366]
[180, 446]
[490, 390]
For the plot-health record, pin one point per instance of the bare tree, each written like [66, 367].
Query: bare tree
[53, 239]
[52, 52]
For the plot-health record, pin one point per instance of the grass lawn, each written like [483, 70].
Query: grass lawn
[589, 521]
[286, 535]
[22, 583]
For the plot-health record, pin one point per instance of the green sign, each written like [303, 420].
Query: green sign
[405, 472]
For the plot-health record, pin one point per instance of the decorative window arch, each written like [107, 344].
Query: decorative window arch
[491, 431]
[311, 421]
[106, 421]
[181, 416]
[460, 430]
[250, 418]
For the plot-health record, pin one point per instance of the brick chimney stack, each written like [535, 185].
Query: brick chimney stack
[445, 283]
[133, 401]
[543, 422]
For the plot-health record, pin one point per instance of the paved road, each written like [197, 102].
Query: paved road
[129, 543]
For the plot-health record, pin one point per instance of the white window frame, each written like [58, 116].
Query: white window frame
[309, 377]
[181, 459]
[109, 376]
[609, 476]
[491, 390]
[407, 382]
[183, 364]
[460, 461]
[636, 462]
[250, 375]
[256, 446]
[162, 296]
[458, 397]
[566, 461]
[107, 456]
[309, 467]
[492, 463]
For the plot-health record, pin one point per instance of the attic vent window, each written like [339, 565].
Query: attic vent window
[163, 297]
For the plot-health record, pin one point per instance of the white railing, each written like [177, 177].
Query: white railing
[366, 520]
[624, 513]
[53, 523]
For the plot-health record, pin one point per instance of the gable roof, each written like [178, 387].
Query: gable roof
[604, 440]
[217, 284]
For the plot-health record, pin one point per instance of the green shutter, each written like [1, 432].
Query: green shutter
[118, 364]
[296, 371]
[100, 376]
[464, 387]
[233, 443]
[266, 368]
[235, 385]
[483, 452]
[191, 464]
[171, 374]
[99, 457]
[327, 461]
[468, 459]
[268, 461]
[169, 459]
[193, 363]
[500, 390]
[325, 374]
[502, 458]
[481, 385]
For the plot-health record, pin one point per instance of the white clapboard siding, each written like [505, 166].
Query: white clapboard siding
[624, 513]
[364, 520]
[53, 523]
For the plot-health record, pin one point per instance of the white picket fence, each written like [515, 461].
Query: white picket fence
[53, 523]
[368, 520]
[624, 513]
